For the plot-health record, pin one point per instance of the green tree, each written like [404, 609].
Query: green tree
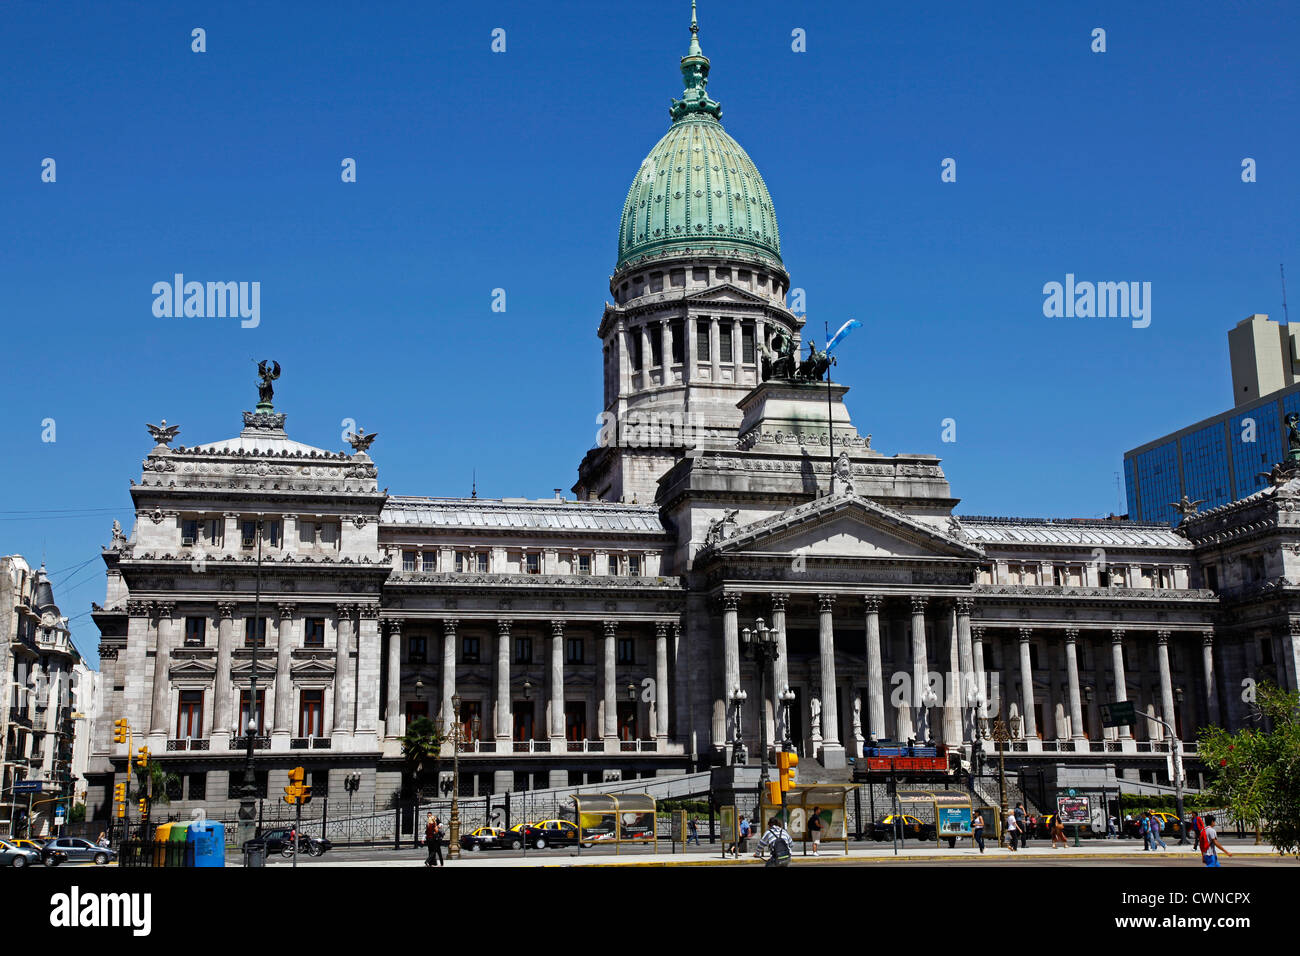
[420, 748]
[1257, 772]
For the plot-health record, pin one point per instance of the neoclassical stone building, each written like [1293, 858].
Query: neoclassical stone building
[604, 633]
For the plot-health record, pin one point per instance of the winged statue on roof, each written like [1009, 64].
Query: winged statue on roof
[163, 434]
[360, 441]
[267, 375]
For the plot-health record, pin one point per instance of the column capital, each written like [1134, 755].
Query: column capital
[394, 627]
[825, 602]
[503, 626]
[1025, 633]
[286, 609]
[163, 609]
[369, 612]
[1071, 635]
[226, 610]
[137, 608]
[871, 603]
[977, 632]
[449, 625]
[778, 601]
[919, 601]
[661, 629]
[730, 600]
[557, 629]
[1207, 639]
[1117, 635]
[1293, 626]
[677, 629]
[611, 628]
[1162, 636]
[965, 605]
[345, 610]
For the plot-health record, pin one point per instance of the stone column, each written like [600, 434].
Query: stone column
[368, 677]
[222, 719]
[609, 725]
[1028, 723]
[966, 665]
[345, 688]
[503, 730]
[731, 660]
[692, 359]
[1072, 675]
[952, 705]
[981, 680]
[666, 345]
[158, 715]
[1121, 687]
[556, 732]
[1166, 684]
[715, 344]
[283, 680]
[1291, 654]
[920, 671]
[1211, 695]
[875, 670]
[661, 682]
[393, 701]
[832, 751]
[448, 672]
[781, 668]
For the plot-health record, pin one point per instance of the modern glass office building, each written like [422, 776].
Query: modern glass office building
[1217, 460]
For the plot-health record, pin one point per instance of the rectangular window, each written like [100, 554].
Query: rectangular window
[248, 538]
[613, 565]
[523, 650]
[329, 535]
[195, 629]
[462, 562]
[627, 726]
[522, 711]
[469, 649]
[678, 278]
[235, 787]
[584, 564]
[320, 783]
[271, 533]
[656, 344]
[307, 533]
[189, 721]
[198, 786]
[471, 718]
[575, 720]
[638, 352]
[702, 340]
[314, 632]
[634, 565]
[573, 650]
[1211, 577]
[429, 561]
[311, 713]
[533, 563]
[408, 560]
[656, 282]
[747, 343]
[189, 532]
[417, 648]
[481, 562]
[243, 713]
[725, 354]
[255, 629]
[679, 342]
[215, 528]
[416, 708]
[1266, 652]
[626, 650]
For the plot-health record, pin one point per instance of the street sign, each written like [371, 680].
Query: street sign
[1118, 713]
[1073, 809]
[28, 786]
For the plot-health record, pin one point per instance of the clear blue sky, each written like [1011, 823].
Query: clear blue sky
[479, 170]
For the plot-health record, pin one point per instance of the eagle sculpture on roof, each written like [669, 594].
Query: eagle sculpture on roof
[163, 434]
[360, 441]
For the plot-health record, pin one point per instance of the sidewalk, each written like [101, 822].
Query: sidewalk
[830, 856]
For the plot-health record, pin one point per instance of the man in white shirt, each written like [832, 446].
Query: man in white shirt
[1210, 843]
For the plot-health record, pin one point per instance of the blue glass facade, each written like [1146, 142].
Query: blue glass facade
[1205, 466]
[1251, 459]
[1156, 472]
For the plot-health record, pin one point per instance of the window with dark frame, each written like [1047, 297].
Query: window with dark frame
[417, 649]
[613, 565]
[189, 718]
[311, 713]
[243, 714]
[469, 649]
[584, 564]
[195, 629]
[198, 786]
[534, 563]
[626, 650]
[254, 626]
[573, 650]
[314, 632]
[702, 340]
[523, 649]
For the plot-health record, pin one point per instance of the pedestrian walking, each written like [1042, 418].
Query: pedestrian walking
[1011, 828]
[1058, 833]
[430, 840]
[978, 827]
[1021, 820]
[742, 837]
[103, 839]
[815, 831]
[1144, 825]
[1194, 829]
[1156, 827]
[1210, 843]
[692, 832]
[777, 841]
[1111, 830]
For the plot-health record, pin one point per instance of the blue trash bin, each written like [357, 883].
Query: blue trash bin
[209, 839]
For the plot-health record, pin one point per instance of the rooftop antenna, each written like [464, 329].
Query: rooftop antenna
[473, 488]
[1119, 495]
[1286, 316]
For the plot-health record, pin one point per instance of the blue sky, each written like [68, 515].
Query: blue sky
[481, 170]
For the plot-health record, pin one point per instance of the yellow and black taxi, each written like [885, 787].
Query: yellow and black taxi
[555, 833]
[906, 826]
[491, 838]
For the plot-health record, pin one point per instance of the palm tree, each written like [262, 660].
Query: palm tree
[420, 748]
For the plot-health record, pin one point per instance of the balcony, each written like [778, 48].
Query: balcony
[241, 743]
[189, 743]
[532, 746]
[638, 746]
[309, 743]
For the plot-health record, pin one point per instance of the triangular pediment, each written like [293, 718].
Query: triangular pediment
[312, 667]
[847, 526]
[726, 293]
[193, 668]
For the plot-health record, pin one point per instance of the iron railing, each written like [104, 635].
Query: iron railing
[152, 853]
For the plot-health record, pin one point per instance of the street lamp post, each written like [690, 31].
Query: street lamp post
[248, 795]
[1001, 732]
[787, 698]
[760, 645]
[739, 756]
[457, 734]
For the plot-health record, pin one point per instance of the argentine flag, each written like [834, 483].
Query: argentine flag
[845, 329]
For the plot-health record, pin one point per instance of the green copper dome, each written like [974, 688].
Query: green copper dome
[698, 191]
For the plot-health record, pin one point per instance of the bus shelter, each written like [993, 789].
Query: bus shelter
[615, 818]
[829, 802]
[953, 813]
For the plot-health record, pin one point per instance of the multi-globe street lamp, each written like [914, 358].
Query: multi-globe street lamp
[760, 645]
[1000, 731]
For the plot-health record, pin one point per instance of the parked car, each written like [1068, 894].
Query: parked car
[527, 832]
[17, 856]
[79, 850]
[277, 841]
[906, 826]
[556, 833]
[490, 838]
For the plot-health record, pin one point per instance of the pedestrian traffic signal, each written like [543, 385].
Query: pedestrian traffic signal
[142, 758]
[120, 730]
[297, 791]
[785, 765]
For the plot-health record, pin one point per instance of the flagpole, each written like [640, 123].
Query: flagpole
[830, 423]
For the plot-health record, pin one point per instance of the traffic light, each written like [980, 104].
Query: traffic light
[121, 810]
[773, 792]
[297, 791]
[120, 730]
[142, 758]
[785, 765]
[119, 793]
[144, 806]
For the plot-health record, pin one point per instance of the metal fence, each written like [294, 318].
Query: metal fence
[150, 853]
